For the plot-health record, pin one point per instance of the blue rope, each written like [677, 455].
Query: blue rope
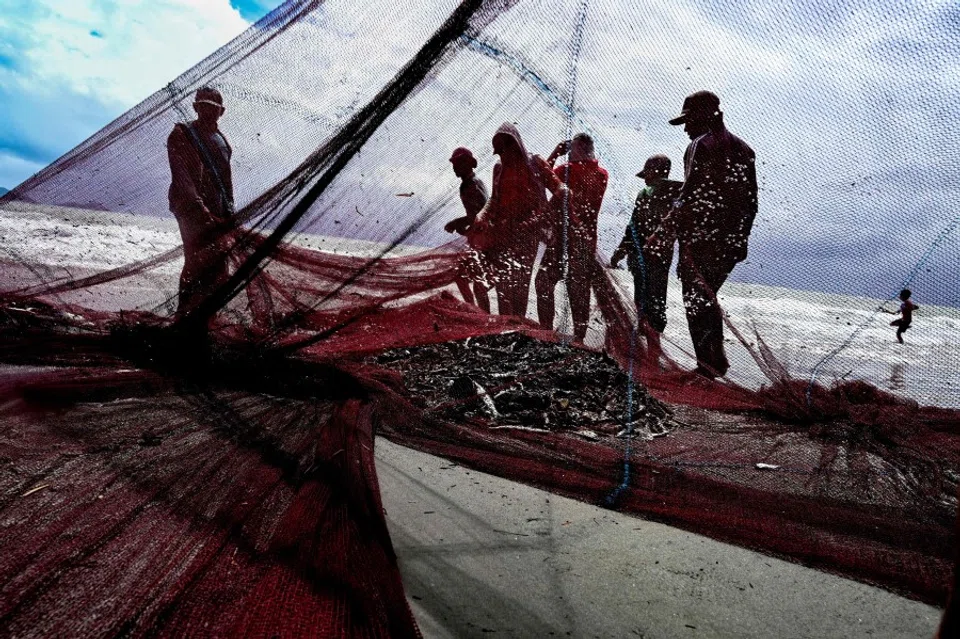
[611, 499]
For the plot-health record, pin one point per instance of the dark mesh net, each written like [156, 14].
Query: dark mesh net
[203, 328]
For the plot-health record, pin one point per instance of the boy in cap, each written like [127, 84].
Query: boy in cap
[201, 198]
[473, 196]
[711, 221]
[650, 265]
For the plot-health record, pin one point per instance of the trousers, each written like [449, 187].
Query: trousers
[581, 267]
[700, 280]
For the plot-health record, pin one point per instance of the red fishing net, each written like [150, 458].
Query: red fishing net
[205, 325]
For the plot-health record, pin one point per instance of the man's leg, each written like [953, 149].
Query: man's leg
[704, 315]
[468, 273]
[497, 265]
[655, 302]
[580, 273]
[546, 284]
[186, 298]
[213, 273]
[640, 291]
[480, 276]
[189, 295]
[522, 276]
[463, 285]
[641, 298]
[480, 293]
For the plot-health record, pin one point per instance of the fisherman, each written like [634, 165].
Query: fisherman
[471, 271]
[907, 307]
[711, 220]
[201, 198]
[650, 270]
[571, 234]
[509, 226]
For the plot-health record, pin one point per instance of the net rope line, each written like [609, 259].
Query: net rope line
[610, 477]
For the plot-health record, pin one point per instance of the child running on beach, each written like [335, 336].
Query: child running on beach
[907, 307]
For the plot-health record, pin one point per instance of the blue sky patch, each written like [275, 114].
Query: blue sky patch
[253, 10]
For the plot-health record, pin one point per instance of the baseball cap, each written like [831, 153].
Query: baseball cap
[656, 165]
[701, 102]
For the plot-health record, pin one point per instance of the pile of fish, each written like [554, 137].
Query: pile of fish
[514, 381]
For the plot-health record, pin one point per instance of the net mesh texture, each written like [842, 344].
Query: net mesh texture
[209, 470]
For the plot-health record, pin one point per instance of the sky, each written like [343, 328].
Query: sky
[68, 67]
[848, 103]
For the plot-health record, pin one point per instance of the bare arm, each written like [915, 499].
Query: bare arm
[561, 149]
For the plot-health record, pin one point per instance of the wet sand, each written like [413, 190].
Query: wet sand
[486, 557]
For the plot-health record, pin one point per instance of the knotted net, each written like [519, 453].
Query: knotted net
[211, 470]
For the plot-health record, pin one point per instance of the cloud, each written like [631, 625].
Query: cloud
[68, 68]
[847, 105]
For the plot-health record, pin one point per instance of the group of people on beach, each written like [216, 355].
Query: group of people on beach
[709, 215]
[532, 201]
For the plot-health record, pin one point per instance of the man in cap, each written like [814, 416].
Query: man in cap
[712, 221]
[650, 265]
[201, 198]
[473, 196]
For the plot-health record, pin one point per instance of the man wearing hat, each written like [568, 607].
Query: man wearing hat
[649, 265]
[472, 270]
[712, 221]
[201, 198]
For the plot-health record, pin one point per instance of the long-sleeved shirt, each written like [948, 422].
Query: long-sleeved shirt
[513, 216]
[718, 201]
[201, 179]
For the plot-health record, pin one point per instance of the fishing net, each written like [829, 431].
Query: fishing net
[195, 455]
